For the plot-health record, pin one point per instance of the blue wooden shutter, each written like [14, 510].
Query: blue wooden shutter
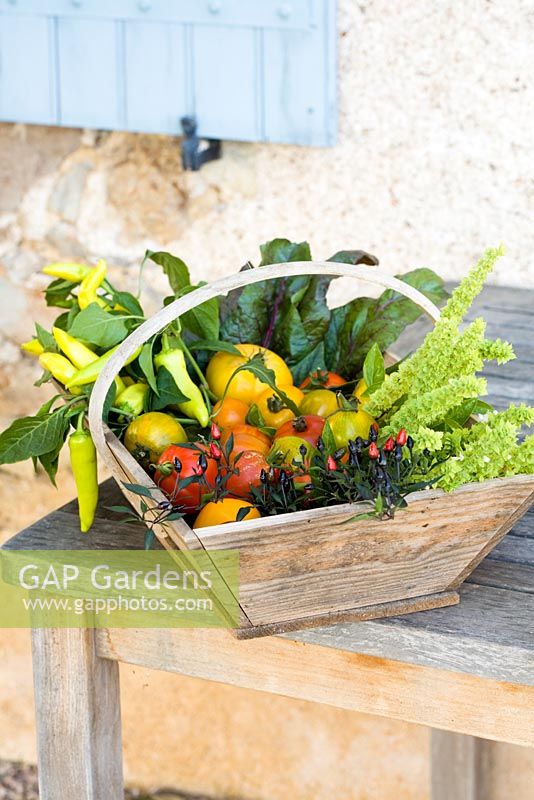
[256, 70]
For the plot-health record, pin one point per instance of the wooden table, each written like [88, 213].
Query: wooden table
[466, 671]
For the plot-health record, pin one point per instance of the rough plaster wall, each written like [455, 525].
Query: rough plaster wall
[433, 164]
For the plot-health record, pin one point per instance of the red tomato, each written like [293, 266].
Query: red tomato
[308, 428]
[248, 468]
[321, 379]
[185, 463]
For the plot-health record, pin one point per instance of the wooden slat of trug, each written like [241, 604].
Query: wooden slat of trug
[449, 700]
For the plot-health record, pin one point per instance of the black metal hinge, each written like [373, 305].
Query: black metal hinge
[197, 151]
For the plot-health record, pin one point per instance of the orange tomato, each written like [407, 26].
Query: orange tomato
[247, 437]
[223, 511]
[229, 412]
[244, 386]
[322, 379]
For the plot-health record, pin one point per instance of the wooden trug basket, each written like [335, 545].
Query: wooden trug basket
[304, 569]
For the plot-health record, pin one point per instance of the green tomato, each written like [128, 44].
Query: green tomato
[286, 450]
[347, 425]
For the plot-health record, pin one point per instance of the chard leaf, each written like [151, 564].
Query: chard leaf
[98, 327]
[202, 321]
[354, 257]
[31, 437]
[279, 251]
[174, 268]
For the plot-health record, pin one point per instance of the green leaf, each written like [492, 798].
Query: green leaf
[279, 251]
[129, 302]
[216, 345]
[57, 293]
[168, 393]
[202, 321]
[109, 400]
[99, 327]
[136, 488]
[50, 461]
[354, 257]
[174, 268]
[32, 436]
[119, 509]
[242, 513]
[147, 365]
[46, 339]
[328, 438]
[245, 313]
[342, 352]
[373, 369]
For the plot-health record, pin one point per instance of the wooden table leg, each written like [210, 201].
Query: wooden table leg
[78, 717]
[456, 766]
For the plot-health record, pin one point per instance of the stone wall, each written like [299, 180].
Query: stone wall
[434, 163]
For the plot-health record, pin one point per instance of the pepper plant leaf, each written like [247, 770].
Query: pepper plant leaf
[31, 437]
[168, 393]
[146, 363]
[98, 327]
[175, 269]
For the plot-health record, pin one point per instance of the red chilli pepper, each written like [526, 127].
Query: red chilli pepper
[331, 464]
[389, 444]
[215, 451]
[374, 452]
[401, 437]
[215, 431]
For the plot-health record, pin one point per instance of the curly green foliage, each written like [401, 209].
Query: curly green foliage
[422, 410]
[462, 298]
[490, 450]
[524, 457]
[445, 351]
[497, 350]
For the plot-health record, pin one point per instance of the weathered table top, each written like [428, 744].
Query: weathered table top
[468, 668]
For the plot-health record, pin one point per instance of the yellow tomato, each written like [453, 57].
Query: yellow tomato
[359, 393]
[272, 407]
[321, 402]
[225, 510]
[148, 435]
[244, 386]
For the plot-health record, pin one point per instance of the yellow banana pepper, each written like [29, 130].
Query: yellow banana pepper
[33, 347]
[78, 353]
[59, 367]
[67, 271]
[89, 285]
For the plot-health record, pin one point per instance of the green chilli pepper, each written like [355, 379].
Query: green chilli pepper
[90, 373]
[132, 399]
[173, 359]
[84, 469]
